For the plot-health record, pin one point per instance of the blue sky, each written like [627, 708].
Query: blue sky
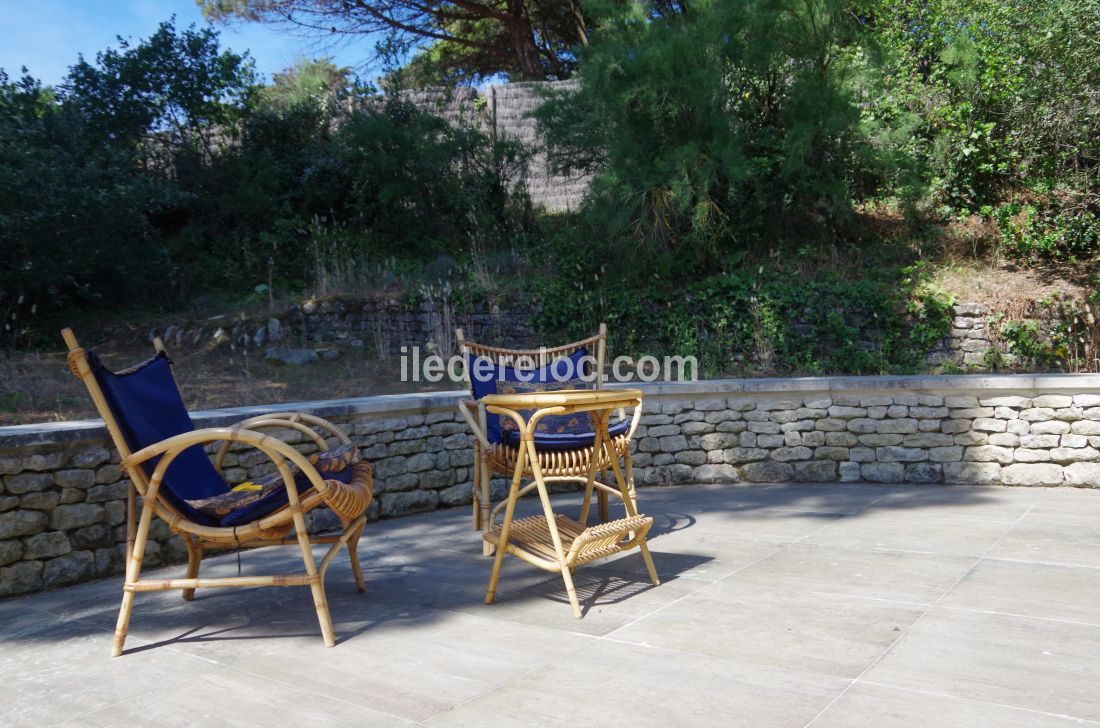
[47, 35]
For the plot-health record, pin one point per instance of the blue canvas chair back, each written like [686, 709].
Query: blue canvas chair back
[486, 375]
[147, 405]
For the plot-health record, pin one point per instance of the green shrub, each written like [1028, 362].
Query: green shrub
[758, 321]
[1001, 92]
[710, 129]
[1051, 229]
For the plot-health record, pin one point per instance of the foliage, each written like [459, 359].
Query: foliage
[175, 83]
[719, 135]
[1061, 227]
[1004, 91]
[705, 129]
[1026, 344]
[757, 320]
[146, 181]
[386, 180]
[312, 83]
[1061, 334]
[472, 40]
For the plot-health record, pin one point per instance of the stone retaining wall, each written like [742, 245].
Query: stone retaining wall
[62, 496]
[969, 342]
[889, 437]
[380, 325]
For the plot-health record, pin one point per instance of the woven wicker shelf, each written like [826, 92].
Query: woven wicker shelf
[530, 539]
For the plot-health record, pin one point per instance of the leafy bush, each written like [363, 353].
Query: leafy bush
[758, 320]
[1065, 229]
[161, 173]
[391, 179]
[711, 128]
[1003, 91]
[74, 216]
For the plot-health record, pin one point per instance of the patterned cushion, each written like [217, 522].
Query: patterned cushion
[549, 441]
[254, 499]
[486, 378]
[572, 424]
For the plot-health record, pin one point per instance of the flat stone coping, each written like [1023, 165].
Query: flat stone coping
[396, 404]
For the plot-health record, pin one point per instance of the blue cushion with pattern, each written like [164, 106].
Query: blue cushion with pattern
[486, 377]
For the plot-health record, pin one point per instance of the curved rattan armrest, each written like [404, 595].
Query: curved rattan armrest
[349, 501]
[283, 419]
[297, 421]
[470, 409]
[635, 418]
[274, 448]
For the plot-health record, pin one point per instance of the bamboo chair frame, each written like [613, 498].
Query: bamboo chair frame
[551, 541]
[556, 466]
[348, 500]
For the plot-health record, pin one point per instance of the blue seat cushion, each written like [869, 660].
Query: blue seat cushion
[485, 376]
[257, 498]
[146, 403]
[578, 422]
[554, 441]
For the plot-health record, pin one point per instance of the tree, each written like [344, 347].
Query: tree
[179, 84]
[312, 82]
[93, 174]
[1005, 90]
[710, 129]
[453, 39]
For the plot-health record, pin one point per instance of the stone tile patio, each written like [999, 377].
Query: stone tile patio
[786, 605]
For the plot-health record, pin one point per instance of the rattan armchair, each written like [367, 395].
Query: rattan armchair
[494, 456]
[164, 457]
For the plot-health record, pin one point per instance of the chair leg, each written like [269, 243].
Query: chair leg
[485, 475]
[567, 577]
[628, 459]
[632, 493]
[586, 503]
[194, 559]
[133, 573]
[353, 557]
[630, 499]
[505, 528]
[316, 583]
[475, 490]
[644, 548]
[123, 623]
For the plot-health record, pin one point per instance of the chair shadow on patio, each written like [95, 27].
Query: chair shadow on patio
[455, 579]
[450, 573]
[601, 587]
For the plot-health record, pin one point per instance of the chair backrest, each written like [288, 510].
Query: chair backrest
[140, 407]
[538, 358]
[538, 364]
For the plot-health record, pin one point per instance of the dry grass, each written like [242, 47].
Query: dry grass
[37, 387]
[1004, 288]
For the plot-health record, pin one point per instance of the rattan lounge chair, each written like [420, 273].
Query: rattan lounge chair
[572, 432]
[165, 459]
[563, 458]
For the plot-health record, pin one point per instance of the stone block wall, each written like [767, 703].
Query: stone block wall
[380, 325]
[889, 437]
[970, 338]
[63, 496]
